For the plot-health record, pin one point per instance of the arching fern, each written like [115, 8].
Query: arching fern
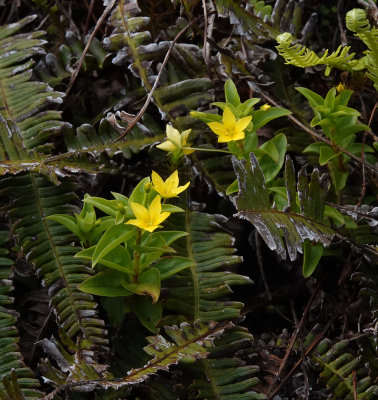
[17, 380]
[301, 56]
[356, 21]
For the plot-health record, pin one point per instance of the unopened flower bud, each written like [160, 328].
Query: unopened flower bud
[147, 187]
[265, 107]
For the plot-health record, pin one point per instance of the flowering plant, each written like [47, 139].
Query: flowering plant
[129, 257]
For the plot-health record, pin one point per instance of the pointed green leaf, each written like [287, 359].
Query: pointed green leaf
[261, 118]
[326, 154]
[106, 283]
[114, 236]
[170, 236]
[233, 188]
[314, 98]
[231, 93]
[68, 221]
[148, 284]
[270, 149]
[169, 266]
[118, 259]
[312, 253]
[170, 208]
[107, 206]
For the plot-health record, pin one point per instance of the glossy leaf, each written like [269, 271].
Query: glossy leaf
[114, 236]
[148, 284]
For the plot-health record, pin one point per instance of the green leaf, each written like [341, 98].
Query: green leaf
[139, 193]
[326, 154]
[106, 283]
[270, 149]
[147, 312]
[206, 117]
[233, 188]
[148, 284]
[334, 214]
[114, 236]
[151, 249]
[169, 266]
[313, 98]
[171, 208]
[261, 118]
[312, 253]
[231, 93]
[270, 167]
[118, 258]
[68, 221]
[169, 236]
[107, 206]
[283, 232]
[314, 148]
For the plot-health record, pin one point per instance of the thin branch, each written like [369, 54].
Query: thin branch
[299, 362]
[149, 97]
[321, 138]
[205, 54]
[91, 37]
[294, 337]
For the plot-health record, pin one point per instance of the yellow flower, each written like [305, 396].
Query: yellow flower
[230, 129]
[340, 88]
[168, 188]
[265, 107]
[176, 141]
[149, 219]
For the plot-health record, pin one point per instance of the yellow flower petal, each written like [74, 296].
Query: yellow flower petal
[162, 217]
[184, 136]
[182, 188]
[150, 219]
[217, 128]
[172, 182]
[238, 135]
[242, 123]
[229, 119]
[158, 183]
[167, 146]
[140, 212]
[155, 207]
[136, 222]
[173, 134]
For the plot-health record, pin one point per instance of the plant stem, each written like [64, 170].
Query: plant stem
[136, 263]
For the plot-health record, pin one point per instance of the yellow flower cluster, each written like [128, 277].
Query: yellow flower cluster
[230, 129]
[150, 218]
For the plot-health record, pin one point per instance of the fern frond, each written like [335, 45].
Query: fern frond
[337, 368]
[357, 22]
[301, 56]
[223, 375]
[198, 292]
[187, 343]
[283, 232]
[15, 377]
[238, 14]
[49, 246]
[24, 123]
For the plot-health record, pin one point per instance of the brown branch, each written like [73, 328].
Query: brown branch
[308, 351]
[294, 336]
[91, 37]
[317, 136]
[149, 97]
